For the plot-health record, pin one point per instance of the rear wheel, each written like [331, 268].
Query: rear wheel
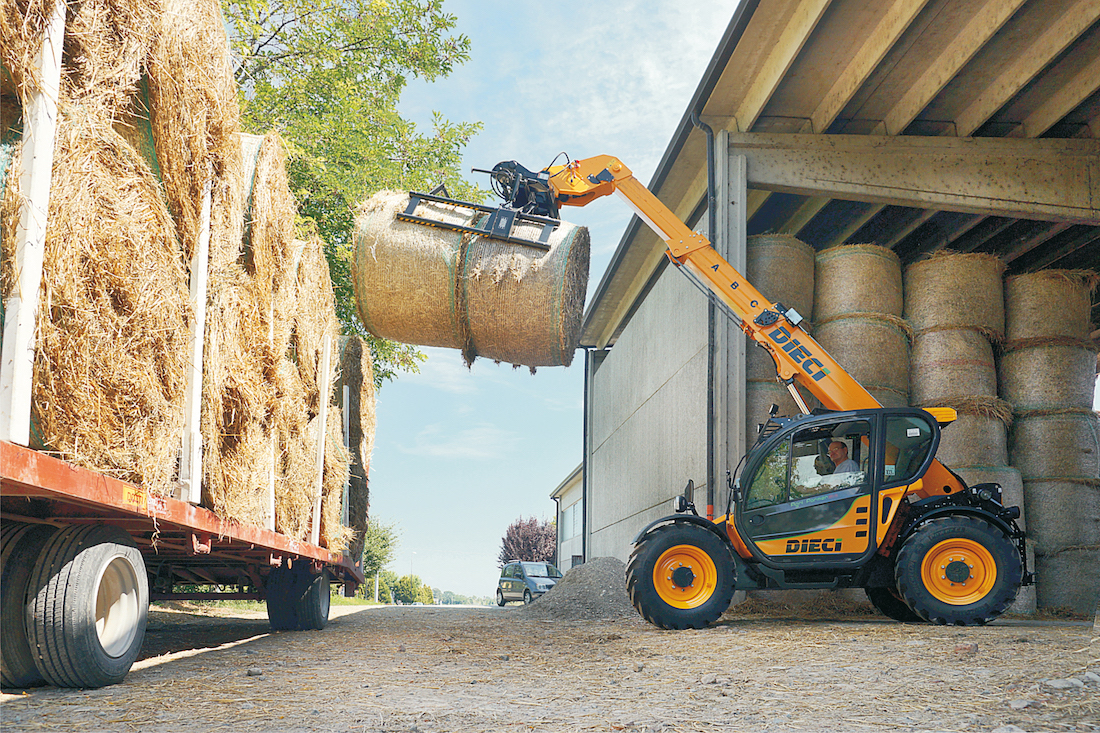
[680, 576]
[500, 598]
[87, 606]
[958, 570]
[282, 612]
[887, 602]
[315, 601]
[20, 545]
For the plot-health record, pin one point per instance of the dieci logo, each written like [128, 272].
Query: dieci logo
[798, 352]
[826, 545]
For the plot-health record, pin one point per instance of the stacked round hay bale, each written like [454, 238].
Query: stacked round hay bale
[1048, 374]
[857, 318]
[781, 267]
[433, 286]
[955, 304]
[357, 378]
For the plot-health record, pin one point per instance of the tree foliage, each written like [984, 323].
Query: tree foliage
[328, 75]
[379, 546]
[529, 540]
[410, 589]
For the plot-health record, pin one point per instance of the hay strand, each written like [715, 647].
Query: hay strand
[857, 278]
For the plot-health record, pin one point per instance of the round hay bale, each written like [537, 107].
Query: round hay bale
[1049, 303]
[1059, 445]
[1057, 375]
[889, 397]
[872, 347]
[112, 343]
[954, 290]
[759, 365]
[296, 453]
[781, 267]
[357, 374]
[1012, 494]
[759, 397]
[856, 278]
[314, 318]
[194, 115]
[951, 362]
[333, 534]
[1062, 514]
[1069, 579]
[436, 287]
[974, 440]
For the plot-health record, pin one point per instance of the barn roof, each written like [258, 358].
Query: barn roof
[972, 125]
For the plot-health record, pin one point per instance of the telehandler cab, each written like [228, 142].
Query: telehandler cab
[887, 516]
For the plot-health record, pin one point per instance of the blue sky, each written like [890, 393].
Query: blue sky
[460, 454]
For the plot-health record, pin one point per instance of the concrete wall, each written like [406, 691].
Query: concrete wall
[647, 416]
[570, 520]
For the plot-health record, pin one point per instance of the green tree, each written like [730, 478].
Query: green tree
[408, 589]
[328, 74]
[387, 579]
[379, 545]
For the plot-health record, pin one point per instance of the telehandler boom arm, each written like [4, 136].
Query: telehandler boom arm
[799, 359]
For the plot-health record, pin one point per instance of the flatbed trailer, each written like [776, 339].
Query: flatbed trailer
[90, 551]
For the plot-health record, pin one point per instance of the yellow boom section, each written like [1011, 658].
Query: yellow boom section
[798, 357]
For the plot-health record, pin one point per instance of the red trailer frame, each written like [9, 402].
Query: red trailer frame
[181, 543]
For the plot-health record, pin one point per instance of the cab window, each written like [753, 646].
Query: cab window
[908, 441]
[769, 486]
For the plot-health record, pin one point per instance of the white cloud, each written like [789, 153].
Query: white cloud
[477, 442]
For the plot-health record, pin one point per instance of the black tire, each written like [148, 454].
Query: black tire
[20, 545]
[977, 577]
[314, 600]
[887, 602]
[500, 598]
[282, 611]
[526, 596]
[708, 561]
[87, 606]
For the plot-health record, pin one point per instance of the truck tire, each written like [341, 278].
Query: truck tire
[680, 576]
[314, 600]
[20, 545]
[887, 602]
[959, 570]
[87, 606]
[282, 610]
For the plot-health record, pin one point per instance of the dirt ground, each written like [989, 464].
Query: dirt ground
[486, 669]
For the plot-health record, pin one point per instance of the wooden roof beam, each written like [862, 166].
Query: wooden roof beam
[890, 28]
[972, 38]
[794, 36]
[1051, 179]
[1084, 84]
[1074, 241]
[1042, 51]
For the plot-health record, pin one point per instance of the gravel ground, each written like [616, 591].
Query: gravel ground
[573, 663]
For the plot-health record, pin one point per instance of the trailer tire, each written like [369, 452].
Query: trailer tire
[314, 601]
[958, 571]
[282, 611]
[87, 606]
[694, 593]
[887, 602]
[20, 545]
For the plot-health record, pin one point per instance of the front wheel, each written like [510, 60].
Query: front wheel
[958, 570]
[680, 576]
[526, 597]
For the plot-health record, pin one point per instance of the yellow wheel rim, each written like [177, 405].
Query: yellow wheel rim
[959, 571]
[685, 576]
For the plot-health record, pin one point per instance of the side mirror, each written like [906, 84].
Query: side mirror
[773, 409]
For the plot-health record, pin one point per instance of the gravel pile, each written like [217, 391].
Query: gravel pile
[589, 592]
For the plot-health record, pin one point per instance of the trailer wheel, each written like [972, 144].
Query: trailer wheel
[887, 602]
[282, 611]
[20, 545]
[680, 576]
[959, 571]
[88, 603]
[314, 601]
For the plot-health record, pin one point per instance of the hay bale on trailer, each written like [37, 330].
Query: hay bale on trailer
[955, 290]
[112, 344]
[1049, 304]
[433, 286]
[857, 278]
[357, 376]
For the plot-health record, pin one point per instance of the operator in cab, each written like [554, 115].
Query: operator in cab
[838, 453]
